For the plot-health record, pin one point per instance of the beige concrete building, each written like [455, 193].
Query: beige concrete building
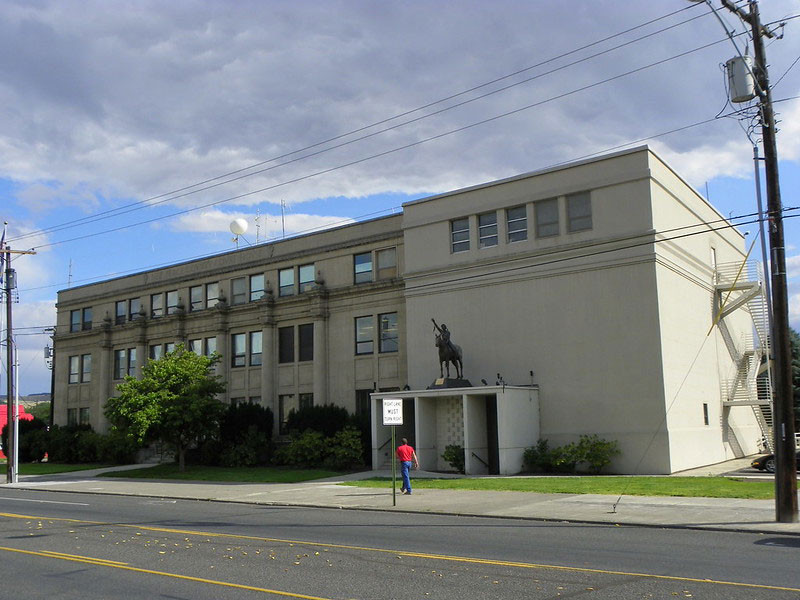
[594, 298]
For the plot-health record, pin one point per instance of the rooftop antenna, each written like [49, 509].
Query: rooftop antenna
[283, 220]
[258, 225]
[69, 274]
[238, 227]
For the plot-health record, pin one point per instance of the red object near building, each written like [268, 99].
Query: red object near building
[23, 416]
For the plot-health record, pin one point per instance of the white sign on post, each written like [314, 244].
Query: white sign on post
[392, 411]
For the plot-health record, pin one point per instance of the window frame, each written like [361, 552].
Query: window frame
[487, 229]
[210, 345]
[286, 287]
[238, 349]
[86, 373]
[86, 323]
[74, 369]
[75, 320]
[387, 336]
[120, 312]
[579, 212]
[134, 306]
[197, 300]
[305, 342]
[459, 243]
[361, 274]
[257, 289]
[120, 363]
[361, 343]
[255, 348]
[286, 350]
[172, 302]
[212, 294]
[384, 270]
[544, 226]
[513, 229]
[239, 291]
[304, 283]
[157, 305]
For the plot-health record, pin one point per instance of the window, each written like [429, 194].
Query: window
[286, 405]
[74, 321]
[132, 362]
[74, 369]
[86, 368]
[196, 301]
[517, 224]
[83, 415]
[212, 294]
[238, 350]
[286, 282]
[256, 287]
[156, 351]
[705, 413]
[120, 364]
[157, 305]
[487, 230]
[255, 348]
[211, 345]
[196, 346]
[362, 402]
[238, 290]
[134, 306]
[254, 399]
[305, 334]
[306, 400]
[172, 302]
[362, 267]
[459, 234]
[306, 278]
[87, 319]
[546, 217]
[169, 347]
[72, 416]
[388, 332]
[120, 312]
[364, 335]
[285, 344]
[579, 212]
[387, 263]
[237, 401]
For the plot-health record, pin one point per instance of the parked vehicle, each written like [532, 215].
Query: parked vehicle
[767, 463]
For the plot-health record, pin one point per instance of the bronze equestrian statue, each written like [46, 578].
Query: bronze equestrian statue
[448, 352]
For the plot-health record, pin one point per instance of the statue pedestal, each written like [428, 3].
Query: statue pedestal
[446, 382]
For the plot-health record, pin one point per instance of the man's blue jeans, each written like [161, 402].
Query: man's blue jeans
[404, 468]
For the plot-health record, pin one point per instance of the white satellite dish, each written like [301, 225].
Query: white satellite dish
[238, 226]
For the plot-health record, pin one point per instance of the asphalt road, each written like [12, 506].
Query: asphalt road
[87, 546]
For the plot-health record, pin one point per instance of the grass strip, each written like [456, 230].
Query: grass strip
[231, 474]
[705, 487]
[48, 468]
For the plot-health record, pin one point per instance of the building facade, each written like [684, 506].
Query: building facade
[594, 285]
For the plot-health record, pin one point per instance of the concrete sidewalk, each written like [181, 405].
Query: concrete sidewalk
[696, 513]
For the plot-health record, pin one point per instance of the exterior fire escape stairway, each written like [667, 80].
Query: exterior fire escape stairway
[742, 287]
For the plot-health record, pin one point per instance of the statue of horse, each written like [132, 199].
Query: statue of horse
[449, 353]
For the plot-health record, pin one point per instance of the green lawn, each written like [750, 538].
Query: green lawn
[241, 474]
[708, 487]
[49, 468]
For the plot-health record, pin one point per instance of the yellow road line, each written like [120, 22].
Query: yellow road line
[124, 567]
[444, 557]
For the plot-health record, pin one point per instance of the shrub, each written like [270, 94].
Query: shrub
[538, 458]
[325, 418]
[116, 448]
[63, 443]
[345, 450]
[591, 450]
[245, 437]
[597, 452]
[252, 450]
[32, 440]
[455, 456]
[305, 450]
[564, 458]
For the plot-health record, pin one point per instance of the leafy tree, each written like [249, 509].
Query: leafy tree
[41, 411]
[794, 341]
[174, 401]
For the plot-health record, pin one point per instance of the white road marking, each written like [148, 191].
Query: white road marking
[46, 501]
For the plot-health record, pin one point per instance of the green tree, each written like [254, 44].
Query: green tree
[174, 401]
[794, 341]
[41, 411]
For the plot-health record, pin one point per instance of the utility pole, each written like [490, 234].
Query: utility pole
[783, 421]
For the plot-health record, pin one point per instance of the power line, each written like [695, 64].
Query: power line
[168, 196]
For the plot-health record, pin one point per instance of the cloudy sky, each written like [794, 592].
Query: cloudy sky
[134, 132]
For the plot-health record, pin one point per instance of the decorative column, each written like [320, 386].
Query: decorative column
[268, 361]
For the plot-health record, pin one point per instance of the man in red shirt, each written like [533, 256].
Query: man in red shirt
[407, 458]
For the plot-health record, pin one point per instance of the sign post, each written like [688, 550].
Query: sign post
[393, 415]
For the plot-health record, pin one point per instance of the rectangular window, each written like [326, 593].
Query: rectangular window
[305, 335]
[579, 212]
[285, 344]
[120, 364]
[387, 263]
[487, 229]
[196, 301]
[546, 212]
[238, 349]
[362, 402]
[74, 321]
[157, 305]
[388, 332]
[362, 267]
[83, 415]
[134, 306]
[74, 369]
[120, 312]
[286, 405]
[212, 294]
[256, 287]
[86, 368]
[254, 399]
[87, 319]
[517, 224]
[169, 347]
[459, 234]
[365, 335]
[306, 400]
[705, 413]
[286, 282]
[211, 345]
[237, 401]
[72, 416]
[306, 278]
[196, 346]
[255, 348]
[172, 302]
[238, 290]
[156, 351]
[132, 362]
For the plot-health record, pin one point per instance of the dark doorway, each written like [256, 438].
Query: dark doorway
[491, 435]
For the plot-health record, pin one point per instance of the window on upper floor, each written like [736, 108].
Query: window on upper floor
[365, 334]
[210, 345]
[124, 363]
[86, 316]
[156, 305]
[169, 347]
[286, 282]
[74, 320]
[212, 294]
[196, 346]
[80, 319]
[387, 325]
[387, 263]
[120, 311]
[579, 212]
[84, 414]
[286, 344]
[86, 368]
[156, 351]
[238, 290]
[305, 338]
[517, 224]
[306, 277]
[74, 369]
[172, 302]
[487, 229]
[257, 287]
[362, 267]
[255, 348]
[546, 214]
[238, 349]
[196, 300]
[459, 235]
[134, 308]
